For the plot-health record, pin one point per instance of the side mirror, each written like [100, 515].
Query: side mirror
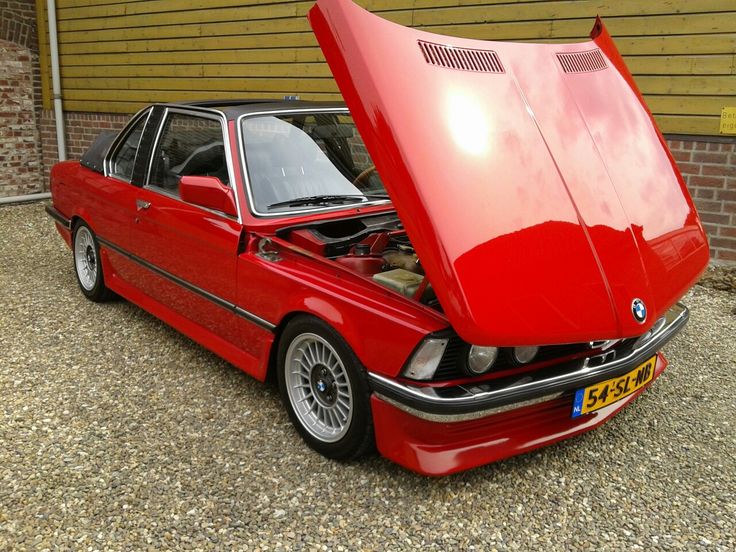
[209, 192]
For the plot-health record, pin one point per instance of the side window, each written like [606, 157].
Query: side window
[123, 160]
[189, 145]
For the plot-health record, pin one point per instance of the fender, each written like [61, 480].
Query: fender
[286, 281]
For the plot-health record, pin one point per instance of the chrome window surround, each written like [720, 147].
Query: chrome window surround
[204, 113]
[244, 164]
[120, 140]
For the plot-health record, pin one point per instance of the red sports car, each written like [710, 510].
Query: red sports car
[481, 257]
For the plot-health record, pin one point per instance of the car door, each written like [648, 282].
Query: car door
[110, 203]
[189, 252]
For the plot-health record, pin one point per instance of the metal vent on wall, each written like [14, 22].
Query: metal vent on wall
[582, 62]
[464, 59]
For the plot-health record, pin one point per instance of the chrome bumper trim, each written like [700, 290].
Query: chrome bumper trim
[518, 390]
[450, 418]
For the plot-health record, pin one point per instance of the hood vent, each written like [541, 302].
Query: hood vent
[582, 62]
[464, 59]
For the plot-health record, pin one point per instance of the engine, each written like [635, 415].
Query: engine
[376, 247]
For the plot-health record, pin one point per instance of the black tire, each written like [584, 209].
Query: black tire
[87, 265]
[357, 434]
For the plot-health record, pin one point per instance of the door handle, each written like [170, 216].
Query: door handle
[141, 204]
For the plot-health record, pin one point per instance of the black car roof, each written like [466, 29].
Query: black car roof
[234, 108]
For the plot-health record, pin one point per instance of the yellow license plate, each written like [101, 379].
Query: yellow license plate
[595, 397]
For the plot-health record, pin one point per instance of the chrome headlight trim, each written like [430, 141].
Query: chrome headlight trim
[524, 355]
[481, 359]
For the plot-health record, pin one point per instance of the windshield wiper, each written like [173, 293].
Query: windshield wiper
[326, 200]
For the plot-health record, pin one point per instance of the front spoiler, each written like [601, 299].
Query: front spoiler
[529, 388]
[440, 448]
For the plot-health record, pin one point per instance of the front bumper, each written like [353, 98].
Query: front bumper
[437, 431]
[441, 448]
[516, 391]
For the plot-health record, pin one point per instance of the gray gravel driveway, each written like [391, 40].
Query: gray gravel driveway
[118, 433]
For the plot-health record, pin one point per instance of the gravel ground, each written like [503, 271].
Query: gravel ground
[118, 433]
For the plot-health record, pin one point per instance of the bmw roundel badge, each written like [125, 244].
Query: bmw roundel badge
[639, 310]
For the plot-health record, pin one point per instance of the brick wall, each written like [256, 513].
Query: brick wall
[18, 25]
[80, 130]
[20, 99]
[20, 163]
[709, 168]
[18, 22]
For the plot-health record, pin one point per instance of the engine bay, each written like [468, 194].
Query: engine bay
[376, 247]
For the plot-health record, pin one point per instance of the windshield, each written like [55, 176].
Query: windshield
[304, 161]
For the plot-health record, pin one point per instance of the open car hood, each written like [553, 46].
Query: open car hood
[531, 178]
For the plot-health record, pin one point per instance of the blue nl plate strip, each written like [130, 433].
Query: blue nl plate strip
[577, 404]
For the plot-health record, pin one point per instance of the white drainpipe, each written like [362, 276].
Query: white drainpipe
[56, 80]
[25, 198]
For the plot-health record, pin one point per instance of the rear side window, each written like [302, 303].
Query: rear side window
[189, 145]
[123, 160]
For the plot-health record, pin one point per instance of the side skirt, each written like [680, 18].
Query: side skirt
[254, 366]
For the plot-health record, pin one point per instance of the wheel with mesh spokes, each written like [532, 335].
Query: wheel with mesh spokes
[324, 389]
[87, 264]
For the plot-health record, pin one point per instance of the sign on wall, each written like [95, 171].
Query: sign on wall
[728, 120]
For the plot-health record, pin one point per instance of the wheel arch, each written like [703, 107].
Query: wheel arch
[76, 219]
[341, 328]
[81, 215]
[274, 347]
[380, 342]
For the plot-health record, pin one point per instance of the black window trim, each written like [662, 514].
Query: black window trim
[120, 141]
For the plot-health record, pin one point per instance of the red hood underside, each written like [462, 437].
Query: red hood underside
[531, 178]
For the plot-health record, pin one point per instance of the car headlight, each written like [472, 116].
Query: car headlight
[426, 358]
[524, 355]
[481, 359]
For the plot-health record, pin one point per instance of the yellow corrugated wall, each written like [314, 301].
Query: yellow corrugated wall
[117, 56]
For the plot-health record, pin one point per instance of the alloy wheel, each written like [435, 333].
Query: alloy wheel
[318, 387]
[85, 258]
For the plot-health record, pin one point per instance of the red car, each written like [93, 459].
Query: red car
[483, 256]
